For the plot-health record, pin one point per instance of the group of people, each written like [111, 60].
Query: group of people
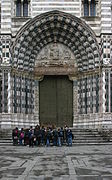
[42, 136]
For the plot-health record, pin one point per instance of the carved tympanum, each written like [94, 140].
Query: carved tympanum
[55, 54]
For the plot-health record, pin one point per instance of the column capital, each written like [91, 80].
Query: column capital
[109, 70]
[5, 67]
[72, 78]
[106, 69]
[39, 78]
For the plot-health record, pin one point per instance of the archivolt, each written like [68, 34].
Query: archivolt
[57, 27]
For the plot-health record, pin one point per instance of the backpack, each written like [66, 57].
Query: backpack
[22, 135]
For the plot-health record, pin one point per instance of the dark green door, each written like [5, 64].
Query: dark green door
[56, 101]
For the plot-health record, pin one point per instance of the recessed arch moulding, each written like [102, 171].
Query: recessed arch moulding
[56, 28]
[56, 43]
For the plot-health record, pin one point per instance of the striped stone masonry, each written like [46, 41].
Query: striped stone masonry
[42, 6]
[50, 24]
[106, 16]
[6, 17]
[38, 33]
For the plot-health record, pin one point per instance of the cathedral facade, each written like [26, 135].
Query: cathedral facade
[56, 63]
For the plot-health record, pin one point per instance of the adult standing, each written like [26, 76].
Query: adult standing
[31, 137]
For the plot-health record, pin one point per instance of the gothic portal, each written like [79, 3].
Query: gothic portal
[55, 65]
[55, 75]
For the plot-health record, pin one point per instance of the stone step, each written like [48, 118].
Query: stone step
[81, 137]
[89, 139]
[84, 141]
[5, 134]
[78, 130]
[88, 135]
[85, 131]
[75, 134]
[92, 141]
[6, 141]
[74, 144]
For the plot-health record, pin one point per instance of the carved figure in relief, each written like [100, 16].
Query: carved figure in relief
[44, 55]
[106, 62]
[54, 52]
[67, 55]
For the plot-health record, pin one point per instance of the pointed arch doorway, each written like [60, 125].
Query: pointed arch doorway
[56, 101]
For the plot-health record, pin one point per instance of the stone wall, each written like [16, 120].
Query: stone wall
[11, 24]
[92, 121]
[9, 121]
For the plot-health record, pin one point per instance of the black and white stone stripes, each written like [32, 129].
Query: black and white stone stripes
[58, 27]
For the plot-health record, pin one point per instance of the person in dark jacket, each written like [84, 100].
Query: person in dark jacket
[69, 137]
[31, 137]
[26, 137]
[48, 136]
[15, 136]
[55, 137]
[42, 135]
[59, 137]
[62, 135]
[21, 137]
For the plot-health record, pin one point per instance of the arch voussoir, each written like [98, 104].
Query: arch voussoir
[57, 27]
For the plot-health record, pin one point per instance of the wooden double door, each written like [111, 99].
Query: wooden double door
[56, 101]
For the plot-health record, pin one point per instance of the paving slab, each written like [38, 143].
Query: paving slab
[56, 163]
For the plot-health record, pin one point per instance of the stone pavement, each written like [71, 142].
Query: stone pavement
[57, 163]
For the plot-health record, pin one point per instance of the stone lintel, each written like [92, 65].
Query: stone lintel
[71, 71]
[55, 70]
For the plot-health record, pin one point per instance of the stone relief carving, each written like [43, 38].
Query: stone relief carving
[106, 61]
[55, 54]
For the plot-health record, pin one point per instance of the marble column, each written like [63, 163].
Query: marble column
[96, 4]
[2, 91]
[36, 102]
[36, 98]
[91, 94]
[5, 118]
[75, 99]
[75, 92]
[21, 94]
[89, 1]
[109, 90]
[103, 91]
[9, 93]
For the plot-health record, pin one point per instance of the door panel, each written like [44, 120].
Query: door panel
[64, 101]
[48, 101]
[56, 101]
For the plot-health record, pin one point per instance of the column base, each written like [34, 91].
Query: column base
[10, 121]
[93, 121]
